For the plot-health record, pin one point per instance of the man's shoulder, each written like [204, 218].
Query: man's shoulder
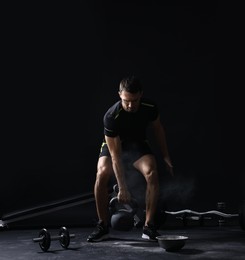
[147, 102]
[114, 109]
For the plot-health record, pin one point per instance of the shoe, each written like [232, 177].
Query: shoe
[150, 233]
[100, 233]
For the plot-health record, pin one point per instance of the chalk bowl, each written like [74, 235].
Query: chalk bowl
[171, 243]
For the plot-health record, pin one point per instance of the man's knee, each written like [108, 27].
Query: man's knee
[151, 176]
[103, 174]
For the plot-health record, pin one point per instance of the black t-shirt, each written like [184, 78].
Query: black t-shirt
[127, 125]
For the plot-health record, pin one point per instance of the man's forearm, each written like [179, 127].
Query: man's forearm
[119, 173]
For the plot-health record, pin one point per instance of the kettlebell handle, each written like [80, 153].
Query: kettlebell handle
[130, 207]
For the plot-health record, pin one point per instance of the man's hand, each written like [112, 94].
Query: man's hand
[123, 196]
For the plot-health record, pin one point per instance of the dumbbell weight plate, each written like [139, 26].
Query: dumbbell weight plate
[64, 237]
[46, 239]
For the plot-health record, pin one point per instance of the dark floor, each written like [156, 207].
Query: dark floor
[204, 242]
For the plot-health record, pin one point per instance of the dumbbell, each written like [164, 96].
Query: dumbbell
[45, 238]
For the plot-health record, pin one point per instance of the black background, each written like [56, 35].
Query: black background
[62, 63]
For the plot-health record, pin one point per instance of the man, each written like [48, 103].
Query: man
[125, 128]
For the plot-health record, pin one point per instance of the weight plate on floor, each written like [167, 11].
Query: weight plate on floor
[64, 237]
[46, 241]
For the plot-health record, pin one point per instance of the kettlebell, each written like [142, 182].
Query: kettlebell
[122, 215]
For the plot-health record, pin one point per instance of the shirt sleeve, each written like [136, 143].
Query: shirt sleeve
[151, 110]
[110, 128]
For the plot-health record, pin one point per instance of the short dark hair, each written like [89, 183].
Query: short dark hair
[130, 84]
